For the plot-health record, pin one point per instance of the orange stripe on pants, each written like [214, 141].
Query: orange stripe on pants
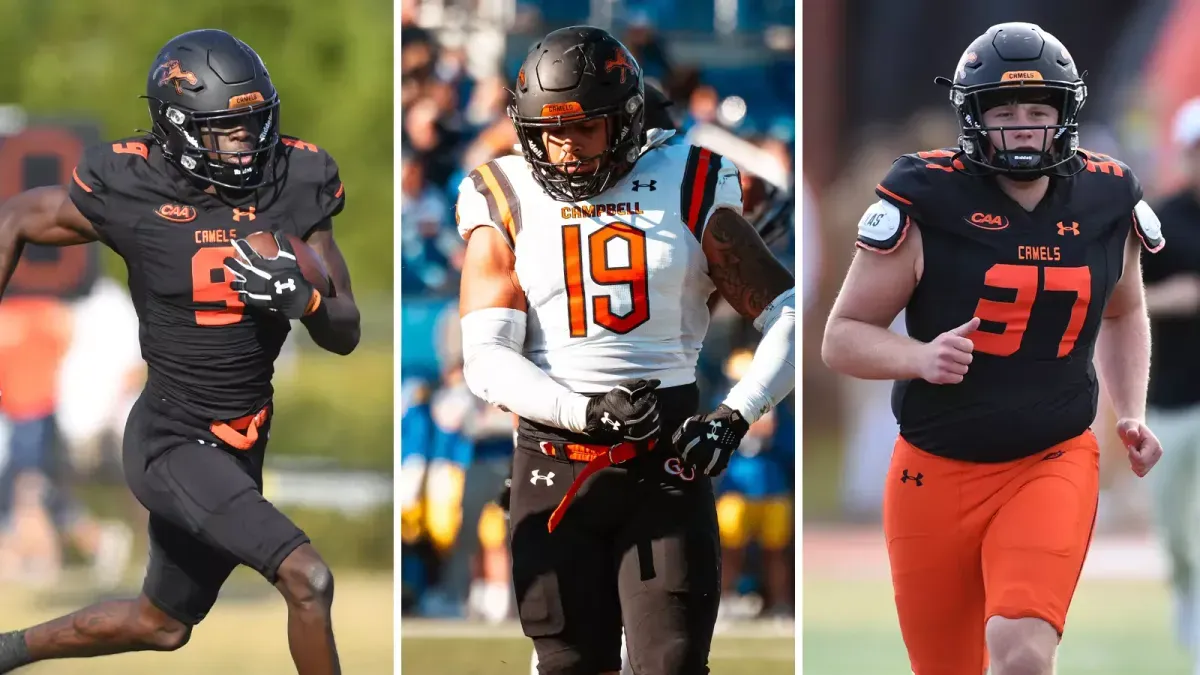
[969, 541]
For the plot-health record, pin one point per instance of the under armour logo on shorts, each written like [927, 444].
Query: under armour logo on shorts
[904, 478]
[610, 421]
[280, 287]
[535, 476]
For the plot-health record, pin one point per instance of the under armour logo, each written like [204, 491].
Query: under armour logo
[639, 184]
[610, 421]
[535, 476]
[904, 478]
[280, 287]
[238, 214]
[1073, 228]
[714, 425]
[1053, 455]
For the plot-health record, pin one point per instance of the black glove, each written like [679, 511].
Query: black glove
[628, 412]
[270, 284]
[707, 442]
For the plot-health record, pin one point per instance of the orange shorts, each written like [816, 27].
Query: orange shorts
[970, 541]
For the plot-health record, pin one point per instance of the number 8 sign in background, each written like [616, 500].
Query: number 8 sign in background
[38, 155]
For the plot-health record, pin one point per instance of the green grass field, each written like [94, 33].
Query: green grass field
[1115, 628]
[432, 648]
[245, 633]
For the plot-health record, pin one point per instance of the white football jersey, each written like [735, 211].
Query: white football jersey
[617, 286]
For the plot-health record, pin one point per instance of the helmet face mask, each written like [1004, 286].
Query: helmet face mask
[575, 75]
[1016, 64]
[220, 134]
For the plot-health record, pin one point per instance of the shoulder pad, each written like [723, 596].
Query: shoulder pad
[882, 227]
[315, 166]
[1111, 178]
[1095, 162]
[909, 182]
[97, 176]
[1148, 227]
[486, 197]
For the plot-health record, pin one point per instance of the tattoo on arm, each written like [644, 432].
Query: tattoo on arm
[741, 266]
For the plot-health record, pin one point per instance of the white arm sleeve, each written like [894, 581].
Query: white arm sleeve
[496, 371]
[772, 373]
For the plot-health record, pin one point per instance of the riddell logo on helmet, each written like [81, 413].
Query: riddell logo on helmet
[987, 221]
[171, 73]
[176, 213]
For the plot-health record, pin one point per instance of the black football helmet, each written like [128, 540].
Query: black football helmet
[1017, 62]
[572, 75]
[203, 84]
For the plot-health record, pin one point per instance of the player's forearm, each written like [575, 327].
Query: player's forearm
[497, 372]
[869, 352]
[1123, 360]
[772, 373]
[335, 324]
[11, 244]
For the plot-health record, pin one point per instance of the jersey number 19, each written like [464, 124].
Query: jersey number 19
[605, 274]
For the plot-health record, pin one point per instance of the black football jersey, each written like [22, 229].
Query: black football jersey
[205, 352]
[1037, 280]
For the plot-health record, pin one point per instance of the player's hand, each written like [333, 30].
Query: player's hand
[270, 284]
[707, 442]
[945, 360]
[1142, 445]
[627, 413]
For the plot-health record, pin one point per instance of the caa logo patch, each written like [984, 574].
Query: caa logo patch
[177, 213]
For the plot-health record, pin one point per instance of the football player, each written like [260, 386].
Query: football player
[1015, 257]
[590, 260]
[176, 205]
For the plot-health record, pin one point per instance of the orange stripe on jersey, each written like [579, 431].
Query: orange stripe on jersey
[893, 195]
[697, 189]
[573, 275]
[80, 183]
[502, 204]
[340, 191]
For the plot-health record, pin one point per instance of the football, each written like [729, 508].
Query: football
[310, 263]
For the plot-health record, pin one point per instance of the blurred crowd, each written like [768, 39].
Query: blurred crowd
[70, 370]
[456, 450]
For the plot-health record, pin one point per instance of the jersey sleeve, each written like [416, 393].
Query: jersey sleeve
[88, 189]
[331, 197]
[710, 181]
[486, 199]
[315, 190]
[95, 183]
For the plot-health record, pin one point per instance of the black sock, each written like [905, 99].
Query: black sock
[13, 651]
